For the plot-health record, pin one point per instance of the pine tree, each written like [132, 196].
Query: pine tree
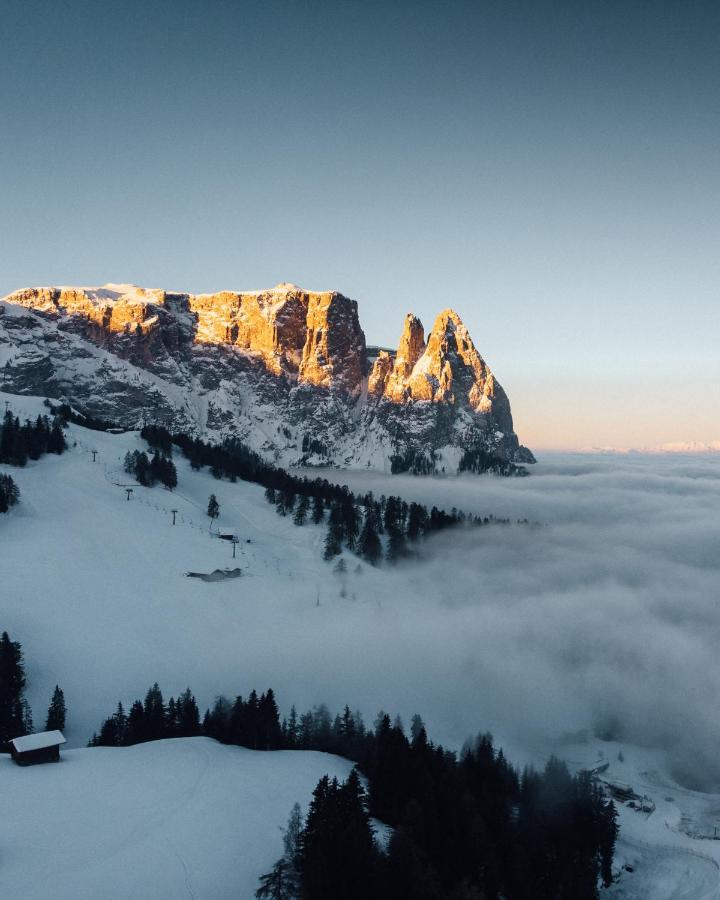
[187, 715]
[13, 714]
[56, 711]
[338, 857]
[155, 714]
[291, 730]
[213, 508]
[27, 717]
[7, 437]
[136, 731]
[333, 547]
[318, 509]
[292, 839]
[397, 545]
[301, 511]
[369, 545]
[279, 883]
[56, 438]
[269, 733]
[9, 493]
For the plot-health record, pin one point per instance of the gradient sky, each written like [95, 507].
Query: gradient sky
[550, 170]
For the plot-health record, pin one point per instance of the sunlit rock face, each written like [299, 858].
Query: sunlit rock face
[285, 370]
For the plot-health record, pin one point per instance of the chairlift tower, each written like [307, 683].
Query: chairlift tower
[174, 513]
[128, 491]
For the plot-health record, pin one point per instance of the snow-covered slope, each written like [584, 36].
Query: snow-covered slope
[161, 821]
[669, 846]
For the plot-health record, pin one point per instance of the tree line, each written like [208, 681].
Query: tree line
[479, 460]
[149, 471]
[150, 720]
[29, 440]
[465, 826]
[15, 714]
[20, 442]
[373, 528]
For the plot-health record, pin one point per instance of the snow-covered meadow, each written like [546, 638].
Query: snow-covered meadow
[170, 819]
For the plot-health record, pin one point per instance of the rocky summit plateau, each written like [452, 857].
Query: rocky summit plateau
[285, 370]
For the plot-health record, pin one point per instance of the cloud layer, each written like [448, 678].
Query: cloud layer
[608, 615]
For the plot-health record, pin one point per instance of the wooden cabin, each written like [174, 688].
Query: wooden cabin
[37, 748]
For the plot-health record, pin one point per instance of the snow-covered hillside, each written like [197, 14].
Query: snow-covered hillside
[606, 611]
[179, 818]
[96, 589]
[669, 846]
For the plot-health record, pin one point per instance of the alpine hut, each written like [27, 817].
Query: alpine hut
[37, 748]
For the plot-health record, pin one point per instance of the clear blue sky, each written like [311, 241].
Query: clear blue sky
[550, 170]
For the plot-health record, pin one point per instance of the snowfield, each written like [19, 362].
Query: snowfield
[178, 818]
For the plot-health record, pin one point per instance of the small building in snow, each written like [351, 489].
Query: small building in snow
[37, 748]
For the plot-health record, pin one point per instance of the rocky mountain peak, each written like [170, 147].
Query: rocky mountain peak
[448, 369]
[284, 369]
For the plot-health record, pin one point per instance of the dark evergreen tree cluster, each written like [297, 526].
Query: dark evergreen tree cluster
[414, 461]
[29, 440]
[467, 827]
[15, 714]
[464, 826]
[253, 723]
[9, 492]
[150, 720]
[479, 460]
[337, 854]
[148, 472]
[158, 438]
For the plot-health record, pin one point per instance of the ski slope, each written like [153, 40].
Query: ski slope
[178, 818]
[95, 586]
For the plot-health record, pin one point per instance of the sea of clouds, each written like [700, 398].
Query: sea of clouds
[604, 616]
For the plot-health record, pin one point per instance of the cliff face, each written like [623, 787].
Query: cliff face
[284, 369]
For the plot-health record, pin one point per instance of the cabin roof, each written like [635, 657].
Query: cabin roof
[38, 741]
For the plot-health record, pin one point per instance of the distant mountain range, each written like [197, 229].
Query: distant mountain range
[679, 447]
[285, 370]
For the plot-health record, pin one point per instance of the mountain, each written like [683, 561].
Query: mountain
[285, 370]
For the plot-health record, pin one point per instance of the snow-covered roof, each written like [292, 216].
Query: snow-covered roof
[37, 741]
